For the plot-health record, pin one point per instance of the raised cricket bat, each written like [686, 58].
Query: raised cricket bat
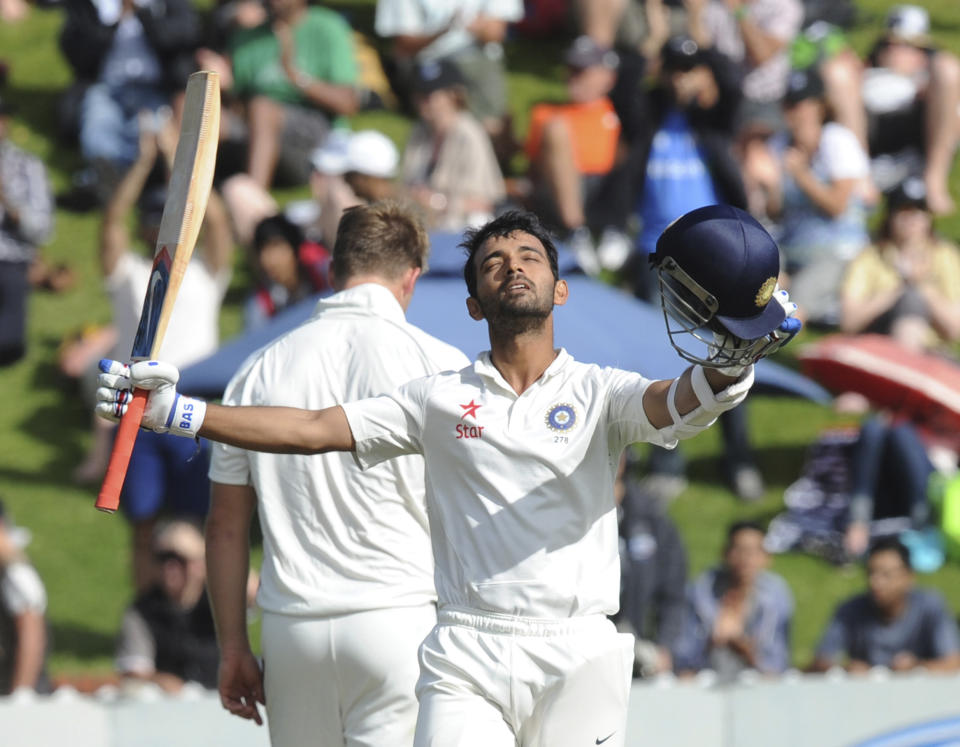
[189, 189]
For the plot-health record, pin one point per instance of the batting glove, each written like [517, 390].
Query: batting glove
[744, 353]
[166, 409]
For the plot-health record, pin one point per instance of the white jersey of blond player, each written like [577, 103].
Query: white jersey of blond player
[337, 540]
[519, 487]
[347, 576]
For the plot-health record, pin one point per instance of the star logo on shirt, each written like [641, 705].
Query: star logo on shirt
[470, 409]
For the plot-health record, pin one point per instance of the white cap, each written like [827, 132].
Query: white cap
[372, 153]
[366, 152]
[910, 23]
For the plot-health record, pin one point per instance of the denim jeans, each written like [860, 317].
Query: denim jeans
[108, 120]
[889, 473]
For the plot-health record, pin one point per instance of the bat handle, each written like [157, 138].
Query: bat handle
[109, 498]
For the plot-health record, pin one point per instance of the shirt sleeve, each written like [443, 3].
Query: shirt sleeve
[387, 426]
[136, 648]
[857, 285]
[833, 643]
[230, 465]
[504, 10]
[779, 18]
[399, 17]
[947, 271]
[628, 420]
[775, 653]
[690, 647]
[945, 638]
[36, 205]
[22, 590]
[340, 54]
[842, 154]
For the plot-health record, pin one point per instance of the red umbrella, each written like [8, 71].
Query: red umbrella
[922, 386]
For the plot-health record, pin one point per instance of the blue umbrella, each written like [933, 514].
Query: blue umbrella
[599, 324]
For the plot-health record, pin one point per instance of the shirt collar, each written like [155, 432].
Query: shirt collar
[368, 297]
[484, 368]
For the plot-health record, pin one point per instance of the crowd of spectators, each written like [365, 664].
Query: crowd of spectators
[669, 105]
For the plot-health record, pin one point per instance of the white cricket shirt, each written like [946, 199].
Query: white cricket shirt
[338, 540]
[519, 487]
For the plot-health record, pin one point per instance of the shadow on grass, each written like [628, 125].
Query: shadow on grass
[81, 642]
[61, 422]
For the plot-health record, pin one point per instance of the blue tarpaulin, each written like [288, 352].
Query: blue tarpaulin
[599, 324]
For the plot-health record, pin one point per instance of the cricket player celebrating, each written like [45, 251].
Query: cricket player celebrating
[347, 581]
[520, 451]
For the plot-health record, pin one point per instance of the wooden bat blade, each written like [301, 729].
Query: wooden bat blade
[190, 182]
[191, 179]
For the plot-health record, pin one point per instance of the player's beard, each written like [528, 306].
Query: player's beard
[516, 315]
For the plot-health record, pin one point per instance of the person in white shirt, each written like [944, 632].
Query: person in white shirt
[520, 451]
[346, 586]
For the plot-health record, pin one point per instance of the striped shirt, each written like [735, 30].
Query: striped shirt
[24, 187]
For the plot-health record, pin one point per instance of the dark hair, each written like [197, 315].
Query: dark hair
[510, 222]
[277, 226]
[741, 526]
[385, 238]
[891, 544]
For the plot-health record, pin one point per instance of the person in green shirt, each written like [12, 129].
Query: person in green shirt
[295, 76]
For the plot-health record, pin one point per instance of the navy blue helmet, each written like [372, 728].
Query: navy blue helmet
[717, 269]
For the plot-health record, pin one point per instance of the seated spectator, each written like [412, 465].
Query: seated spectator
[889, 472]
[654, 562]
[911, 91]
[288, 268]
[467, 35]
[681, 138]
[738, 614]
[295, 76]
[894, 624]
[572, 146]
[819, 197]
[26, 221]
[448, 165]
[24, 639]
[167, 634]
[907, 285]
[127, 56]
[162, 474]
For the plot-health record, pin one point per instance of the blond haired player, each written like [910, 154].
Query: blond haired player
[520, 450]
[347, 580]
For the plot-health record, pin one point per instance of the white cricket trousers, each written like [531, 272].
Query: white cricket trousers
[491, 680]
[343, 681]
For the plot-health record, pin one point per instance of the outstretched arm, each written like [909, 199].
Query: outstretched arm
[114, 236]
[655, 399]
[282, 430]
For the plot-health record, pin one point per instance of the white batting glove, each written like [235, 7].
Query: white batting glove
[166, 409]
[744, 353]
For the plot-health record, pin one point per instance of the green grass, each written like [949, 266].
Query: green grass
[83, 554]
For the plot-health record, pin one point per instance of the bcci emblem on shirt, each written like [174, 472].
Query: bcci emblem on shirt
[561, 417]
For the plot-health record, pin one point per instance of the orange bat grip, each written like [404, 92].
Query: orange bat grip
[109, 498]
